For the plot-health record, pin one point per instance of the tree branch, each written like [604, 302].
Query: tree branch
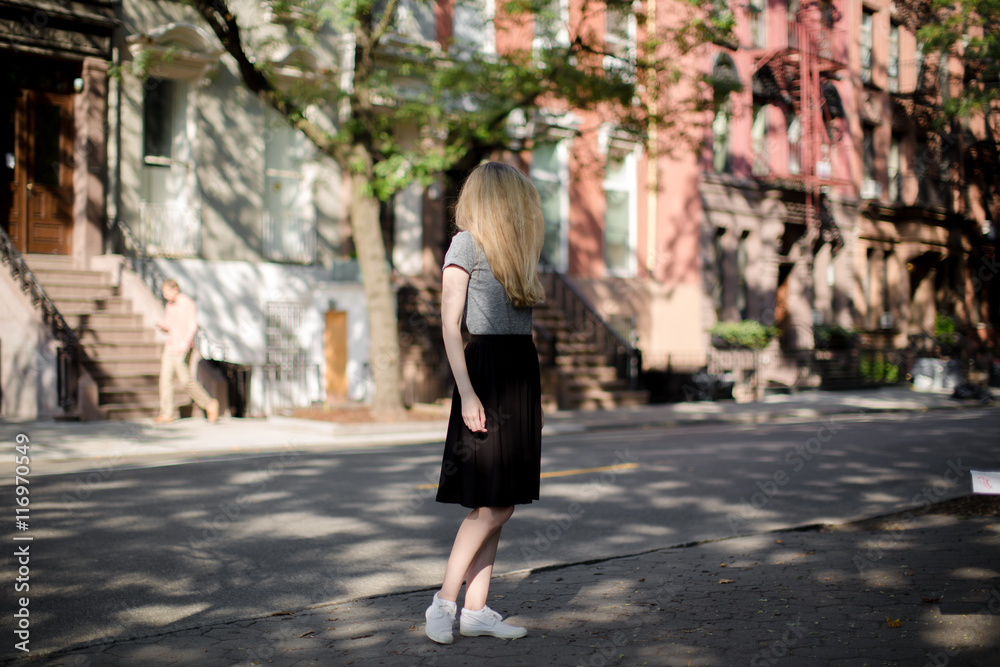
[224, 25]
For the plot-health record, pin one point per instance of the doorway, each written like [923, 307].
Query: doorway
[37, 170]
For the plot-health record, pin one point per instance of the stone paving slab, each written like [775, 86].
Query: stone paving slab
[922, 591]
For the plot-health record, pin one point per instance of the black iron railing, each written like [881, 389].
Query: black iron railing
[584, 318]
[70, 354]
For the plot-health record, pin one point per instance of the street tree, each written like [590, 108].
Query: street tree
[961, 40]
[468, 102]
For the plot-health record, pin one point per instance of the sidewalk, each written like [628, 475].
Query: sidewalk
[118, 443]
[910, 590]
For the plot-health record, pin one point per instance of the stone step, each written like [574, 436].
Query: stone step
[606, 400]
[101, 320]
[578, 384]
[100, 351]
[39, 261]
[144, 396]
[61, 290]
[127, 365]
[599, 373]
[575, 347]
[125, 380]
[115, 334]
[70, 277]
[581, 360]
[88, 306]
[129, 411]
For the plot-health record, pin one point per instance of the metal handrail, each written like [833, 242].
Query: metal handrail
[153, 277]
[19, 270]
[68, 357]
[582, 316]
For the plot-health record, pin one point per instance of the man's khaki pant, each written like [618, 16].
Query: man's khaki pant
[184, 366]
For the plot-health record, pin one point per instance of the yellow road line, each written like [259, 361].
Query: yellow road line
[618, 467]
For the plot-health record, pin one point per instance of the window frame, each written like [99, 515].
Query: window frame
[625, 182]
[866, 45]
[559, 178]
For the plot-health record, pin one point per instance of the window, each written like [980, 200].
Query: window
[620, 214]
[742, 262]
[895, 184]
[551, 25]
[549, 171]
[758, 133]
[160, 119]
[718, 286]
[289, 222]
[944, 77]
[868, 152]
[867, 41]
[169, 218]
[794, 145]
[791, 18]
[619, 38]
[725, 80]
[472, 26]
[919, 57]
[892, 68]
[722, 161]
[758, 24]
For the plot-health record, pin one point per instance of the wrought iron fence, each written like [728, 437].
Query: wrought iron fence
[170, 230]
[758, 372]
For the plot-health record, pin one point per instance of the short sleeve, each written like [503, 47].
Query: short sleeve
[462, 252]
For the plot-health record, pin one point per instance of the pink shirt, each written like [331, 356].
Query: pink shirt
[181, 324]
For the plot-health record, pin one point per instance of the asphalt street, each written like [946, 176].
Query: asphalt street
[120, 551]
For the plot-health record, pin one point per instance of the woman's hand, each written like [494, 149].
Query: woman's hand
[473, 413]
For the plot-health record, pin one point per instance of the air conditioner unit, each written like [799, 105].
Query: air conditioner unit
[886, 320]
[871, 189]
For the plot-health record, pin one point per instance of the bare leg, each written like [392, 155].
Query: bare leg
[477, 581]
[476, 530]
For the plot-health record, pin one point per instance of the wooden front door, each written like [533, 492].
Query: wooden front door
[39, 169]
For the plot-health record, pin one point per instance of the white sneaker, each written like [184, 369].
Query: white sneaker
[486, 622]
[440, 617]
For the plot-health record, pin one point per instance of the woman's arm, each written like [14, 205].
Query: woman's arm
[454, 286]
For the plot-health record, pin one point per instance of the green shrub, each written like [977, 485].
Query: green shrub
[833, 337]
[944, 329]
[877, 369]
[749, 334]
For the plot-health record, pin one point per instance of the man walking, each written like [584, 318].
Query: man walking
[181, 324]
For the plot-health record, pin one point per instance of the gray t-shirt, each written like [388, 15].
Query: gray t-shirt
[487, 308]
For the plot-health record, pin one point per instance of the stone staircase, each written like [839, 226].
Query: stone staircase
[122, 355]
[580, 378]
[586, 381]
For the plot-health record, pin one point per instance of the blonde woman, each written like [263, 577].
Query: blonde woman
[493, 448]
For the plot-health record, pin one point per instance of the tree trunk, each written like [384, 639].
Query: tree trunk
[384, 340]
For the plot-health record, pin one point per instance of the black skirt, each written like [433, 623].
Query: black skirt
[500, 467]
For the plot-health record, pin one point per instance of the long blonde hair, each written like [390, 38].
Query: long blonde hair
[501, 208]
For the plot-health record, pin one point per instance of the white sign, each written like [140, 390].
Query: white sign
[986, 482]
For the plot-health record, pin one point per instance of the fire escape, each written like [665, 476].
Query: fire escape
[799, 77]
